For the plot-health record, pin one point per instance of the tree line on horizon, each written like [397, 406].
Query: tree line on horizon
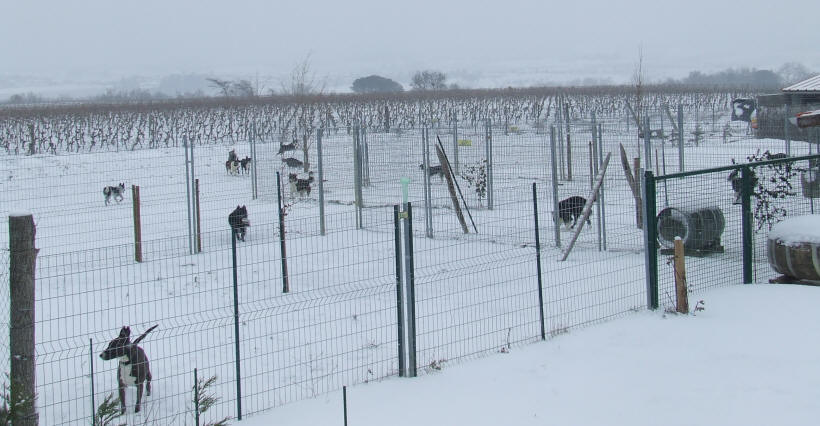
[303, 82]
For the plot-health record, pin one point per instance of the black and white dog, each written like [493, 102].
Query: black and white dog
[570, 210]
[433, 170]
[133, 369]
[238, 219]
[113, 192]
[300, 186]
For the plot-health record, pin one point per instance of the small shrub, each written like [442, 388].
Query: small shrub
[476, 177]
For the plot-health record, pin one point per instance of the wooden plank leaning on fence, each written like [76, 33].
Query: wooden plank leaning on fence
[445, 169]
[634, 184]
[599, 180]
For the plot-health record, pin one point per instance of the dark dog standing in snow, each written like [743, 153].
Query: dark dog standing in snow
[571, 209]
[133, 369]
[113, 191]
[238, 219]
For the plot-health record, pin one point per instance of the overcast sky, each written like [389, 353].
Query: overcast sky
[546, 40]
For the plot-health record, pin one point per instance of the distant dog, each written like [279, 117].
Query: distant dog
[113, 191]
[232, 167]
[245, 164]
[434, 170]
[287, 147]
[570, 210]
[134, 369]
[238, 219]
[300, 186]
[232, 155]
[292, 162]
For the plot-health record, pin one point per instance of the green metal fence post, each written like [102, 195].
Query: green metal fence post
[538, 263]
[746, 205]
[650, 239]
[237, 359]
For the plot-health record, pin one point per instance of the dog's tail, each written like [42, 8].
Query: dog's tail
[142, 336]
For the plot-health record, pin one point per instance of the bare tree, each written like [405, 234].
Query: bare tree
[429, 80]
[303, 80]
[638, 81]
[224, 86]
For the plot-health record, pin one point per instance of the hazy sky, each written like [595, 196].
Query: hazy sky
[546, 40]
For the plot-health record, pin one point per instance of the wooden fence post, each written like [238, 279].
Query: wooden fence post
[135, 194]
[681, 293]
[22, 259]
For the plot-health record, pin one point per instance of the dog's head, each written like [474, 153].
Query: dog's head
[292, 177]
[119, 346]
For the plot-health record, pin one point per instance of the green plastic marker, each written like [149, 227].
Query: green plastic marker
[405, 181]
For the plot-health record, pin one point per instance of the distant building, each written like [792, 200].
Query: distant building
[773, 110]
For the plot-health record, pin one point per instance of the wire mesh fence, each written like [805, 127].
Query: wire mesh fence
[314, 299]
[723, 215]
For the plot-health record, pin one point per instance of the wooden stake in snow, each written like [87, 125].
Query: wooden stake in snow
[682, 295]
[599, 180]
[22, 259]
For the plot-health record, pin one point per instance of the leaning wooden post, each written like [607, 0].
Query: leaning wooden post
[682, 305]
[135, 195]
[445, 169]
[22, 259]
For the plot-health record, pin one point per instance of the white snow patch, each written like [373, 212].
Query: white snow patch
[797, 229]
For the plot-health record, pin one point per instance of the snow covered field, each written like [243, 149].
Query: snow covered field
[476, 293]
[748, 359]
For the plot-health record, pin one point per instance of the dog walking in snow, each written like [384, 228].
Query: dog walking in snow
[133, 369]
[114, 192]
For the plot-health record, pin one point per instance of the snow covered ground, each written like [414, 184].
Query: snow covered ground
[476, 293]
[750, 358]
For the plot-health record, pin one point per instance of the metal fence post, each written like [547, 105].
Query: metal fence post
[428, 198]
[188, 194]
[365, 156]
[681, 163]
[236, 326]
[786, 136]
[601, 191]
[569, 144]
[91, 363]
[282, 245]
[254, 187]
[647, 142]
[357, 175]
[555, 217]
[650, 237]
[322, 229]
[489, 146]
[538, 262]
[455, 145]
[399, 297]
[746, 223]
[411, 291]
[196, 398]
